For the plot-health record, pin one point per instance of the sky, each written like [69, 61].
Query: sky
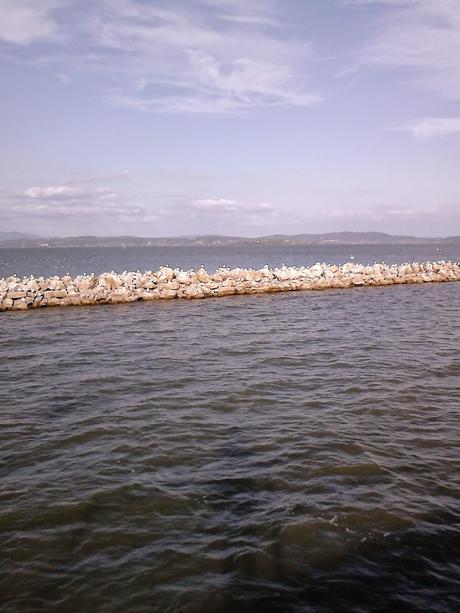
[235, 117]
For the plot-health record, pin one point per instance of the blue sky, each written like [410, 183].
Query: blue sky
[251, 117]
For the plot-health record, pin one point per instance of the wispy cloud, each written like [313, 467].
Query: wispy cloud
[433, 127]
[209, 57]
[186, 60]
[420, 35]
[396, 3]
[102, 201]
[412, 218]
[23, 22]
[227, 205]
[250, 20]
[69, 201]
[219, 212]
[122, 175]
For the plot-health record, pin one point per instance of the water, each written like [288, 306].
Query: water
[287, 452]
[73, 260]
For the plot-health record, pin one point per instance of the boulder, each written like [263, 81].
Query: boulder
[202, 275]
[17, 295]
[165, 274]
[20, 305]
[58, 293]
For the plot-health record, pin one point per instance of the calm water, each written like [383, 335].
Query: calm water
[75, 261]
[288, 452]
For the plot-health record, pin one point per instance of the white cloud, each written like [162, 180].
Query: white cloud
[208, 57]
[185, 63]
[248, 82]
[212, 86]
[216, 204]
[244, 7]
[71, 201]
[250, 20]
[396, 3]
[218, 212]
[53, 192]
[420, 35]
[27, 21]
[433, 127]
[227, 205]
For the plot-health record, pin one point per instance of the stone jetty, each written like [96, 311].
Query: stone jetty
[20, 294]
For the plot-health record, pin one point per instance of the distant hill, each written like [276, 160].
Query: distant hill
[351, 238]
[14, 236]
[16, 239]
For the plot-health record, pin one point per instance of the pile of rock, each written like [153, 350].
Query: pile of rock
[168, 283]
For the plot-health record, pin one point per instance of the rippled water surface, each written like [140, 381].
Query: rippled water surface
[287, 452]
[47, 262]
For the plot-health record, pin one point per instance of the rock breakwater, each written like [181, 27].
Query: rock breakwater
[168, 283]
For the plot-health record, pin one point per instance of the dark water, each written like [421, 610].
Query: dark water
[288, 452]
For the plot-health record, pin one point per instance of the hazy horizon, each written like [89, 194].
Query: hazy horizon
[230, 117]
[14, 236]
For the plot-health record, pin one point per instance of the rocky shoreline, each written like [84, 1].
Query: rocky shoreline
[18, 294]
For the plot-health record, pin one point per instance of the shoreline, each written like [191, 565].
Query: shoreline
[21, 294]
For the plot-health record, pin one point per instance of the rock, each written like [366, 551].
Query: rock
[282, 274]
[54, 301]
[153, 294]
[58, 284]
[112, 282]
[165, 274]
[192, 291]
[73, 300]
[32, 286]
[202, 276]
[167, 294]
[16, 295]
[168, 283]
[349, 267]
[20, 305]
[51, 293]
[183, 278]
[151, 284]
[224, 290]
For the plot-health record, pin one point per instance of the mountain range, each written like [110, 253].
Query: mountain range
[18, 239]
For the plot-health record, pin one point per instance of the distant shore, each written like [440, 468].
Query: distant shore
[20, 294]
[25, 241]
